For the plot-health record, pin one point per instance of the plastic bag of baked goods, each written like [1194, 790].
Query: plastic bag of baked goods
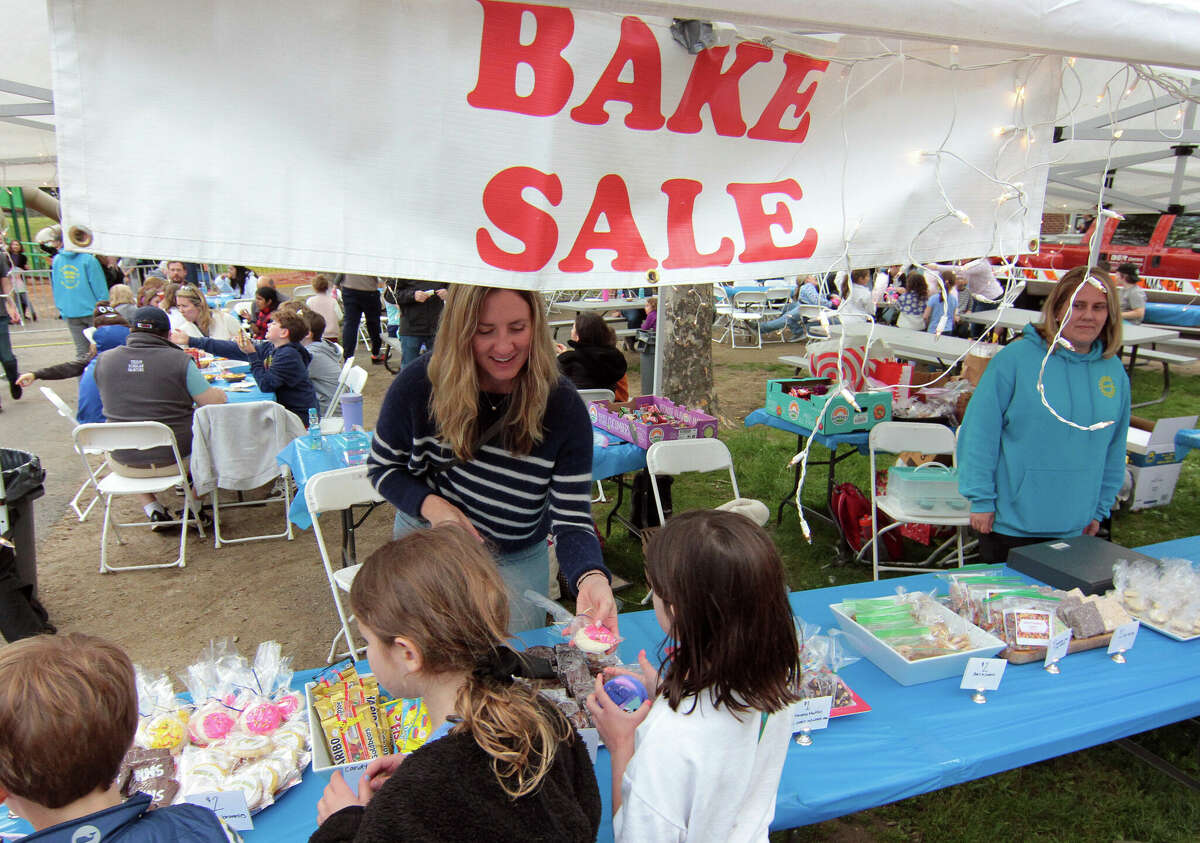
[582, 630]
[162, 716]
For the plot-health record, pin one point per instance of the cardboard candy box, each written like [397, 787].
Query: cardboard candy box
[651, 418]
[805, 400]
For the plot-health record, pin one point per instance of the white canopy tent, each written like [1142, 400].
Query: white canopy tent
[188, 50]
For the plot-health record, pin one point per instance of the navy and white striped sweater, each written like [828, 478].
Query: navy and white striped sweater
[513, 501]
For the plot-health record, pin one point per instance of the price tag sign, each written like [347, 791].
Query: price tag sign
[229, 805]
[1123, 636]
[1057, 648]
[983, 674]
[811, 714]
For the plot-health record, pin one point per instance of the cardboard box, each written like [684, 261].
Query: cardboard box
[839, 414]
[687, 424]
[1152, 460]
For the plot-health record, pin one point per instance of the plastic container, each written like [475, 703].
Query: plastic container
[929, 486]
[983, 645]
[352, 411]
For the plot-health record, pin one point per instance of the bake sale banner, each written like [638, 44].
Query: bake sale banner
[534, 146]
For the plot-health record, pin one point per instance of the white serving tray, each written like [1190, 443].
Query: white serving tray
[984, 645]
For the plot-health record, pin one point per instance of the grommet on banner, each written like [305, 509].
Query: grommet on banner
[79, 235]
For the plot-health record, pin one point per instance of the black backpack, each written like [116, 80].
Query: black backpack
[644, 512]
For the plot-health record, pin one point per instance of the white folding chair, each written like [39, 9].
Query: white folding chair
[334, 405]
[65, 412]
[749, 308]
[117, 436]
[893, 438]
[679, 456]
[722, 309]
[302, 292]
[331, 491]
[222, 459]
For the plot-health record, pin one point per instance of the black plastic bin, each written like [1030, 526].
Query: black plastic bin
[21, 615]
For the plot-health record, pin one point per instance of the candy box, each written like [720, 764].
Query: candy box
[321, 762]
[804, 400]
[651, 418]
[983, 645]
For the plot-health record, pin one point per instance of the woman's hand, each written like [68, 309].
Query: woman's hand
[982, 521]
[337, 796]
[437, 511]
[1092, 528]
[377, 772]
[596, 600]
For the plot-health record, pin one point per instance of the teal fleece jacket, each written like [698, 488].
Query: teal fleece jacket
[1042, 477]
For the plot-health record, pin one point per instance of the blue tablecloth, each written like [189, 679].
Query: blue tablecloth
[305, 461]
[858, 439]
[618, 457]
[1179, 315]
[221, 299]
[919, 738]
[1186, 440]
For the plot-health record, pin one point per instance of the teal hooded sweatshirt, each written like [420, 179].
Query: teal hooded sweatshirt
[1040, 476]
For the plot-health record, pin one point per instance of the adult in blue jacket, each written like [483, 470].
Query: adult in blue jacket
[77, 281]
[279, 365]
[1029, 475]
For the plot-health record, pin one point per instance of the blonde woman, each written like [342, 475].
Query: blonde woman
[484, 433]
[192, 315]
[120, 296]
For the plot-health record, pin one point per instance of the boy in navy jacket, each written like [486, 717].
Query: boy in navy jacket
[279, 365]
[68, 713]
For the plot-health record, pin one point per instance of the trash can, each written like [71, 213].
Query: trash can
[21, 479]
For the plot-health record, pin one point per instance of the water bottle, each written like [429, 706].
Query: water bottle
[314, 429]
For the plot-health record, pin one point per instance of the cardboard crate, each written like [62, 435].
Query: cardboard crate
[840, 415]
[1150, 447]
[691, 424]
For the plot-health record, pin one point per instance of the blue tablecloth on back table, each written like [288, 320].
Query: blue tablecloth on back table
[305, 461]
[858, 439]
[618, 457]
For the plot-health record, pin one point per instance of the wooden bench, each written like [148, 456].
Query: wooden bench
[1166, 358]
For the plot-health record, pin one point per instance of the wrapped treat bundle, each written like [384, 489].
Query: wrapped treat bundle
[1165, 596]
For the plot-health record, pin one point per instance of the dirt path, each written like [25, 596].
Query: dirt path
[254, 591]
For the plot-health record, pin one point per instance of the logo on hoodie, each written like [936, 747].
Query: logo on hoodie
[1107, 387]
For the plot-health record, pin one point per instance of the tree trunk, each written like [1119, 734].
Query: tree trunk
[685, 345]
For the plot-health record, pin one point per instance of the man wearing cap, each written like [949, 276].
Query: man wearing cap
[1133, 297]
[152, 379]
[78, 282]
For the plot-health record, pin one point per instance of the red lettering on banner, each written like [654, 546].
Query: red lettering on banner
[788, 95]
[639, 47]
[756, 223]
[509, 212]
[681, 236]
[707, 85]
[501, 52]
[622, 237]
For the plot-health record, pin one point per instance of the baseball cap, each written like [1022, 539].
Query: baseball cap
[151, 319]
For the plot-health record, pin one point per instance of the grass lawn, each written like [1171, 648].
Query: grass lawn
[1096, 794]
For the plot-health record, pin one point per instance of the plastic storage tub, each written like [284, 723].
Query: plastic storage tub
[930, 486]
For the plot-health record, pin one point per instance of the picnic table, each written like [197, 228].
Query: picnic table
[905, 342]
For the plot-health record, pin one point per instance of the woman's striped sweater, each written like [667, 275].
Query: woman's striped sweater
[512, 501]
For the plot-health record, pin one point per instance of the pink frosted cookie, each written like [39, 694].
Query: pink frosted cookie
[288, 704]
[212, 722]
[262, 718]
[595, 638]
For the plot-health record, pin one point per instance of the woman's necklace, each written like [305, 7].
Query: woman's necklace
[494, 405]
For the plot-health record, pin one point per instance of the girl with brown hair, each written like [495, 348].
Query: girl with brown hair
[592, 361]
[485, 433]
[712, 740]
[501, 764]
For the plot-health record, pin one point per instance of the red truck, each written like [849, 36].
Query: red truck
[1161, 246]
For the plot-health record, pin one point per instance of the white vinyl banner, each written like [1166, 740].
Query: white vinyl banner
[533, 146]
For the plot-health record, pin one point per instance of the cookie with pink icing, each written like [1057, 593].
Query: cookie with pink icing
[595, 638]
[212, 722]
[262, 718]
